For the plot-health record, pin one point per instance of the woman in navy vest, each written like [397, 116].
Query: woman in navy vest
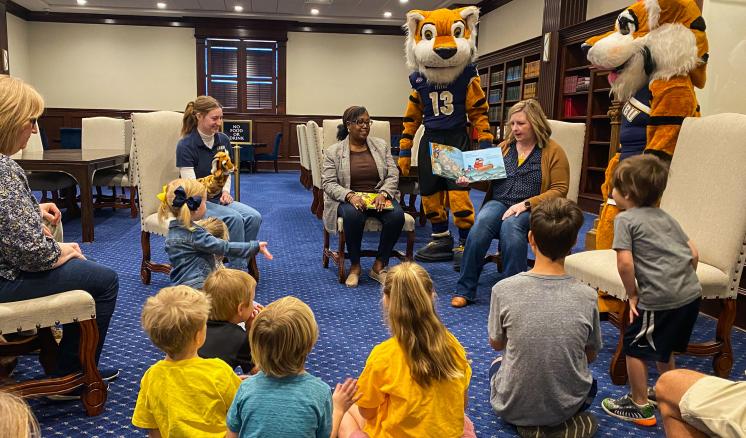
[201, 140]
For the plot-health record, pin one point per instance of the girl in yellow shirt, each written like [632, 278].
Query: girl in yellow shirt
[414, 384]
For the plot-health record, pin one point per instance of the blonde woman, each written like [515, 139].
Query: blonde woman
[201, 140]
[32, 264]
[537, 169]
[414, 384]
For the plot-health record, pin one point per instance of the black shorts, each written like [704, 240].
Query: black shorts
[430, 184]
[655, 334]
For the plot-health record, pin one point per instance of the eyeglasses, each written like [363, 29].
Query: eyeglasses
[361, 122]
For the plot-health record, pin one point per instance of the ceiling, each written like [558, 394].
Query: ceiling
[330, 11]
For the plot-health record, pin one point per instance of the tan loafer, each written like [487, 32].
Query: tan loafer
[459, 302]
[378, 276]
[352, 279]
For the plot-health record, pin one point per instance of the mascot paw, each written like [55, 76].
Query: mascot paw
[404, 164]
[484, 144]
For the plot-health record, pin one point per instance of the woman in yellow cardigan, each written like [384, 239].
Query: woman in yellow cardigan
[537, 169]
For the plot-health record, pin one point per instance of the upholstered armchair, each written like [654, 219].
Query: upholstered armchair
[154, 144]
[314, 139]
[41, 314]
[111, 133]
[305, 162]
[705, 195]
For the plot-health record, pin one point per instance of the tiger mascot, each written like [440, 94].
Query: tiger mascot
[440, 50]
[658, 54]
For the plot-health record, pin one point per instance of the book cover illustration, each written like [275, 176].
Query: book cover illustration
[482, 165]
[368, 199]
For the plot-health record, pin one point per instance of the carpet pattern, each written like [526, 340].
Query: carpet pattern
[350, 320]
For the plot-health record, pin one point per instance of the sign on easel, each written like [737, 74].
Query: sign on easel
[238, 131]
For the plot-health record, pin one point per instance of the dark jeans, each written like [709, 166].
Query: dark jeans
[354, 223]
[98, 280]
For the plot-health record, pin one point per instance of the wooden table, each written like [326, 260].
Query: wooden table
[80, 164]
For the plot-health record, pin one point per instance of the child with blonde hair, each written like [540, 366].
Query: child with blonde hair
[182, 395]
[231, 293]
[191, 249]
[414, 384]
[283, 399]
[16, 419]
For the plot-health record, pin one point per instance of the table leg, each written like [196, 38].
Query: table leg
[84, 177]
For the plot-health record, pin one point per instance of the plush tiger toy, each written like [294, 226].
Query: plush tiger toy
[440, 51]
[222, 168]
[658, 54]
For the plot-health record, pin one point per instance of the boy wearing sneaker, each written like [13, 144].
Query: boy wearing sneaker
[657, 264]
[548, 324]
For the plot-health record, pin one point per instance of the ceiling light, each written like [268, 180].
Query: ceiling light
[403, 1]
[161, 5]
[238, 8]
[82, 2]
[387, 14]
[314, 11]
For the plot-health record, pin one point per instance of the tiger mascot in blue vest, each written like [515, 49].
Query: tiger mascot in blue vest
[440, 51]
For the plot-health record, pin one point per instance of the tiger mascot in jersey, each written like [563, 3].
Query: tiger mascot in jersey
[658, 54]
[440, 51]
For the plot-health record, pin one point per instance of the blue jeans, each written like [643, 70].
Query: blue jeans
[98, 280]
[513, 245]
[243, 224]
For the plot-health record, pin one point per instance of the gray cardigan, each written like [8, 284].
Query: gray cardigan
[335, 175]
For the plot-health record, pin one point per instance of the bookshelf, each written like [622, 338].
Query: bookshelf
[505, 82]
[583, 97]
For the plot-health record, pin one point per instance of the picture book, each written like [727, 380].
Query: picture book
[368, 199]
[481, 165]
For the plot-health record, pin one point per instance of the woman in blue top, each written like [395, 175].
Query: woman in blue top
[201, 140]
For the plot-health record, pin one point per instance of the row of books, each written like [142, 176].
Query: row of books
[574, 83]
[513, 93]
[531, 70]
[494, 114]
[575, 106]
[530, 90]
[497, 77]
[514, 73]
[495, 96]
[483, 79]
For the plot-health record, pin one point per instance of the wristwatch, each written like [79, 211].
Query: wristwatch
[385, 194]
[527, 204]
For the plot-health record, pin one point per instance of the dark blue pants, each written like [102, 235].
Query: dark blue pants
[354, 223]
[98, 280]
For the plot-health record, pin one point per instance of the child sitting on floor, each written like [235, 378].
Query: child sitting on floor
[182, 395]
[231, 294]
[16, 418]
[217, 228]
[190, 248]
[415, 384]
[548, 324]
[657, 263]
[283, 399]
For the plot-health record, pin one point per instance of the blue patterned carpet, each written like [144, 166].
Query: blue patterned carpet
[349, 319]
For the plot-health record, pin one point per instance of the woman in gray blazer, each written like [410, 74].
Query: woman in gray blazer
[358, 163]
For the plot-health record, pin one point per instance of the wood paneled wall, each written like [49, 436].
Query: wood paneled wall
[265, 128]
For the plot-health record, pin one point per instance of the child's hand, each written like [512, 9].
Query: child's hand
[344, 395]
[633, 308]
[462, 181]
[257, 308]
[263, 249]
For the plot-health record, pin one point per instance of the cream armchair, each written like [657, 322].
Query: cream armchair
[313, 139]
[705, 195]
[154, 159]
[379, 128]
[111, 133]
[305, 162]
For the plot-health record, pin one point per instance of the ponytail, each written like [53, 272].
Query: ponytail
[342, 131]
[200, 105]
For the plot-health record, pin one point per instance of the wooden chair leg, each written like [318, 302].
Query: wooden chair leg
[94, 392]
[133, 205]
[48, 351]
[341, 264]
[325, 257]
[410, 246]
[277, 169]
[618, 365]
[423, 218]
[145, 272]
[722, 362]
[315, 201]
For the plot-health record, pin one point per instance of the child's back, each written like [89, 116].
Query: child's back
[548, 321]
[291, 406]
[662, 257]
[186, 397]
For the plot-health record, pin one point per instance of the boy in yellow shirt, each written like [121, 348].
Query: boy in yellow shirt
[182, 395]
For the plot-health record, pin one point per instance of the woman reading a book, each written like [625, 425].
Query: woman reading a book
[537, 169]
[360, 180]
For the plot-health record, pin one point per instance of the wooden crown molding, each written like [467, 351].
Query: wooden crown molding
[526, 48]
[586, 29]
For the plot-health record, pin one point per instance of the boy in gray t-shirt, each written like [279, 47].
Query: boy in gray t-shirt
[548, 324]
[657, 264]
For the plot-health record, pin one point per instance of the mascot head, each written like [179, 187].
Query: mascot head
[441, 43]
[652, 39]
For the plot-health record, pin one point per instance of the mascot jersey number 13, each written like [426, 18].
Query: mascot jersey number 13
[440, 51]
